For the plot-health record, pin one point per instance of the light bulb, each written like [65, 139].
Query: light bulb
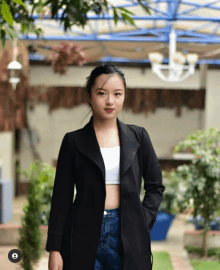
[192, 58]
[156, 57]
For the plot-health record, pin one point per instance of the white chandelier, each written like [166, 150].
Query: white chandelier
[176, 62]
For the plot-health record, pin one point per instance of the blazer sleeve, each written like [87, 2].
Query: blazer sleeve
[62, 197]
[152, 175]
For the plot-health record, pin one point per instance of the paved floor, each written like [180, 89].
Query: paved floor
[173, 244]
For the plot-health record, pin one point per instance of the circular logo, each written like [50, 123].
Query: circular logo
[14, 255]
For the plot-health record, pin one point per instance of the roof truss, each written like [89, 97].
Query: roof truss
[169, 16]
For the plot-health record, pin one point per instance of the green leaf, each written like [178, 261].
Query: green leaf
[66, 24]
[6, 13]
[20, 3]
[10, 32]
[115, 15]
[23, 28]
[127, 18]
[126, 11]
[144, 6]
[106, 5]
[3, 38]
[80, 2]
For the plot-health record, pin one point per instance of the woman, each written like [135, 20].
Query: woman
[106, 227]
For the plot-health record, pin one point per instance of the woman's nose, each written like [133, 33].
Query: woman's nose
[109, 99]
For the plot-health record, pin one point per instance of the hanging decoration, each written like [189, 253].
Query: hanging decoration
[66, 54]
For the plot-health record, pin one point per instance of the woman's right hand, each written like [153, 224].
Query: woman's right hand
[55, 260]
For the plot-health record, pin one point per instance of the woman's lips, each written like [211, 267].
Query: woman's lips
[109, 110]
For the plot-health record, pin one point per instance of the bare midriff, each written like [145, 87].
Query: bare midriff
[110, 139]
[112, 196]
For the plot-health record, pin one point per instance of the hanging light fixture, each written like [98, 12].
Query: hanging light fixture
[176, 62]
[14, 67]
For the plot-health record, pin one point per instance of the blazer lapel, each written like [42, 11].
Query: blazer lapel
[87, 144]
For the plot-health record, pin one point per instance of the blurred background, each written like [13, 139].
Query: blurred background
[170, 59]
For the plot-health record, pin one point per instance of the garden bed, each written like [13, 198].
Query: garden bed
[196, 255]
[193, 238]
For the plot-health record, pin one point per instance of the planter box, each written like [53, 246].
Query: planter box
[194, 239]
[214, 225]
[161, 226]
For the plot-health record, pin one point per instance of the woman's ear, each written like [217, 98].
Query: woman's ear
[88, 99]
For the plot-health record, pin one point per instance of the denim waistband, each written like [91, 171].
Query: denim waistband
[111, 212]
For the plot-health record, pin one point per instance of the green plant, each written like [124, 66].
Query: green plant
[202, 176]
[210, 252]
[30, 234]
[172, 193]
[73, 13]
[44, 182]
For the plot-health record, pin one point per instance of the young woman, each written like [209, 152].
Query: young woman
[107, 226]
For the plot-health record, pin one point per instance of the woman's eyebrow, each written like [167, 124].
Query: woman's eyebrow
[106, 90]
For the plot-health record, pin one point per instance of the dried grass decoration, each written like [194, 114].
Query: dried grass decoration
[66, 54]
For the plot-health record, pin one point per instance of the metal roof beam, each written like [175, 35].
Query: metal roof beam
[192, 34]
[156, 10]
[216, 28]
[145, 61]
[98, 38]
[40, 57]
[156, 31]
[198, 6]
[163, 38]
[61, 28]
[176, 4]
[154, 17]
[201, 26]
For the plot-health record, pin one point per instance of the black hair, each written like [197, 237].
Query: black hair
[99, 70]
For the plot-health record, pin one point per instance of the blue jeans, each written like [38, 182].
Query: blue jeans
[108, 255]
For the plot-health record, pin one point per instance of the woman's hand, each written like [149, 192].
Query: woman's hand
[55, 260]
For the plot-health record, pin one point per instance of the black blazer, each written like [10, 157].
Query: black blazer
[74, 228]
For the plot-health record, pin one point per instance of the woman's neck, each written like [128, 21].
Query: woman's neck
[104, 125]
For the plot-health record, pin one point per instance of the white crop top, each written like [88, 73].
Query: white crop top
[111, 157]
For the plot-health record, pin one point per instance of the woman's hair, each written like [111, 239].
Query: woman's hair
[96, 72]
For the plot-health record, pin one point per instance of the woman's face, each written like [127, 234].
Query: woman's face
[107, 92]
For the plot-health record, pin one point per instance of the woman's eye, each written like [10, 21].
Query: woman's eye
[100, 93]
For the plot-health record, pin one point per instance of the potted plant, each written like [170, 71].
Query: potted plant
[169, 206]
[199, 223]
[202, 176]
